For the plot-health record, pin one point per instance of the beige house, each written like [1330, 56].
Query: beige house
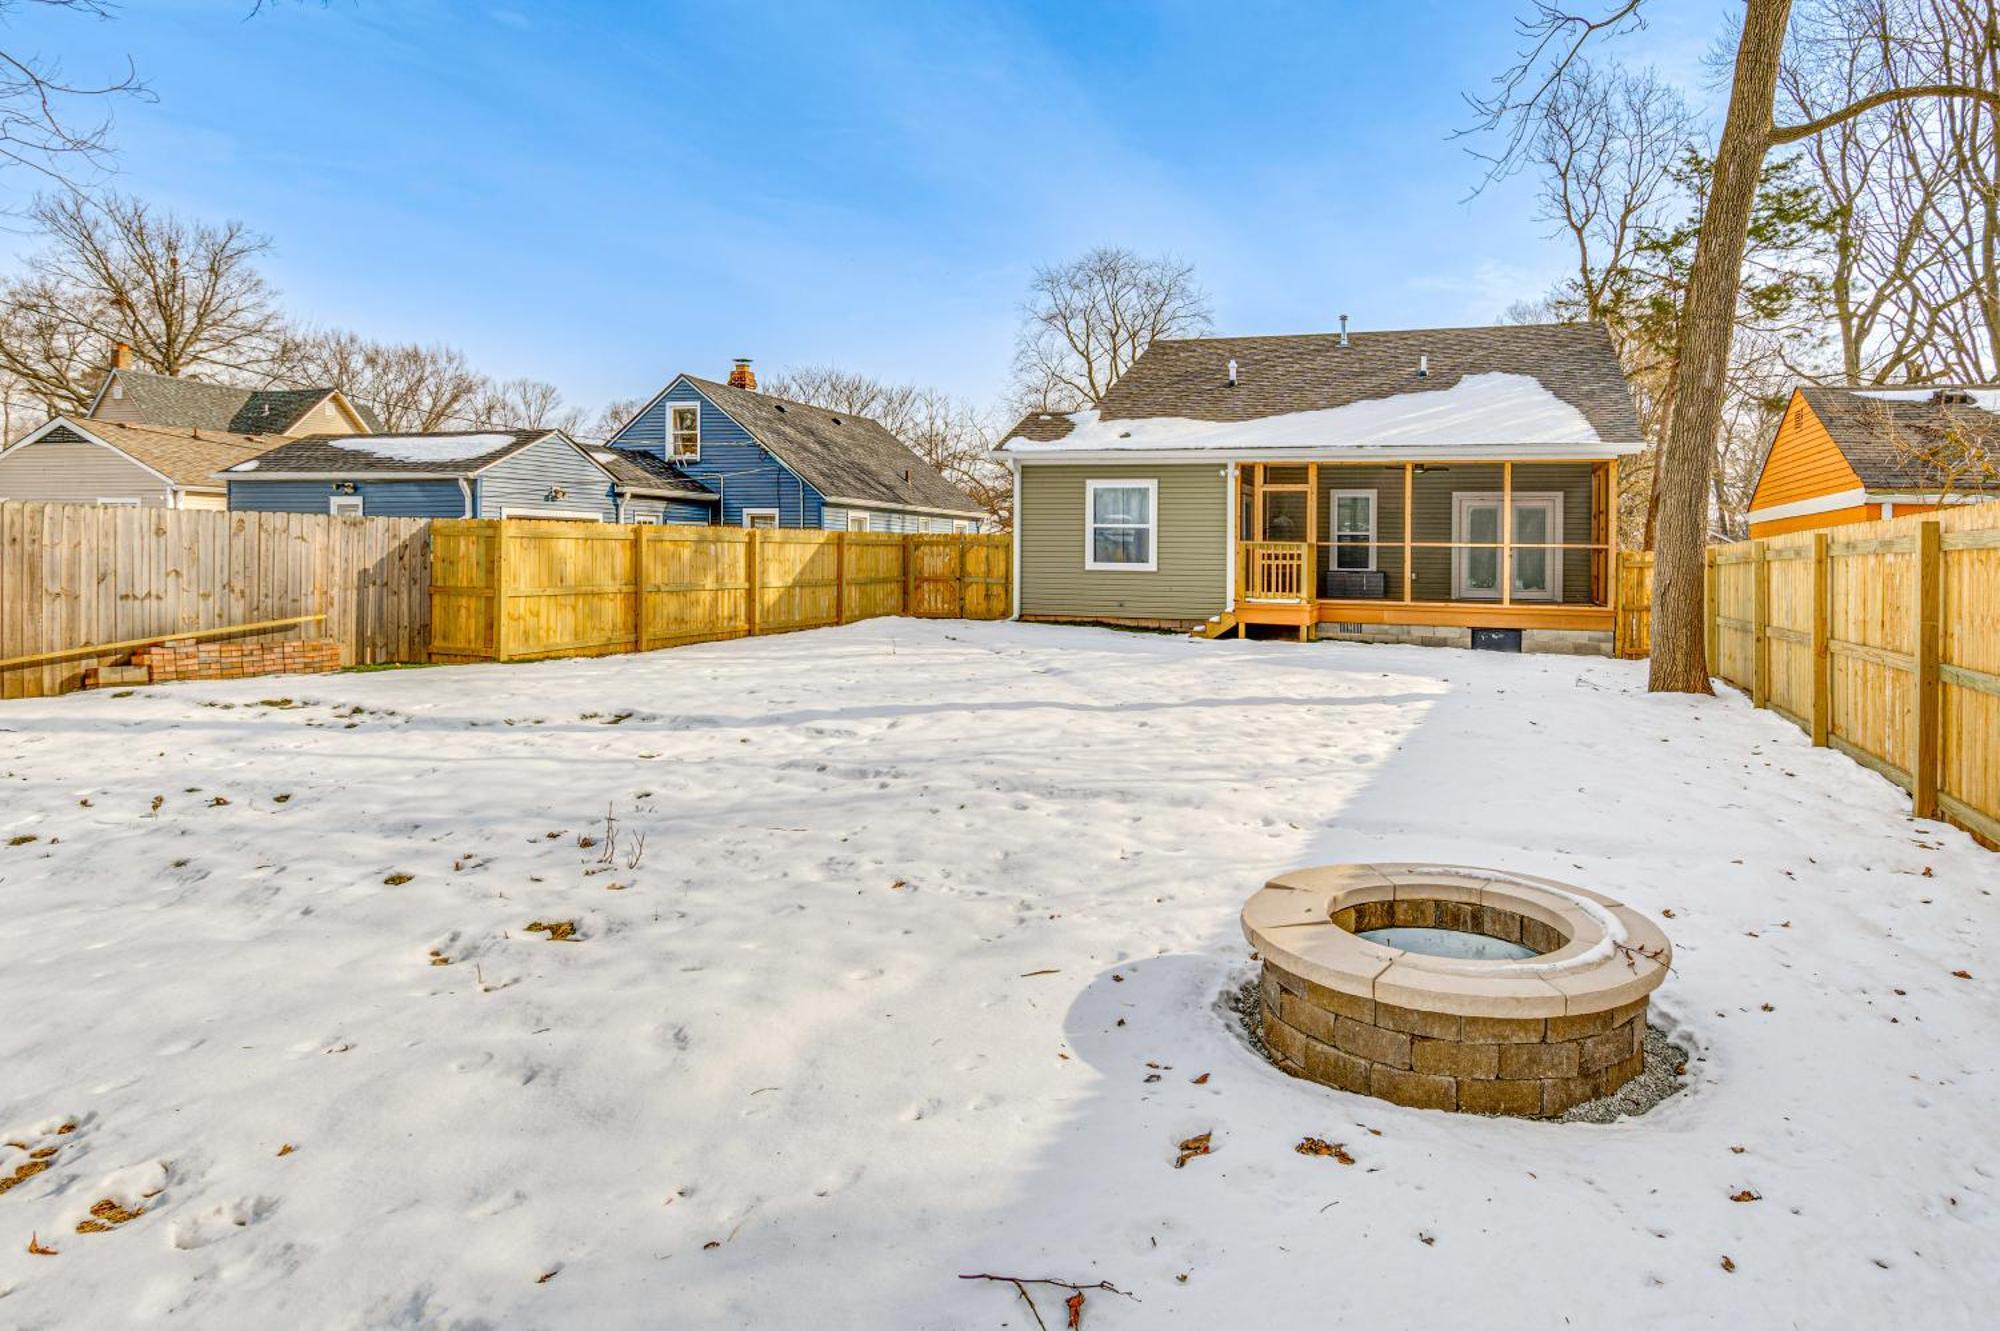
[1449, 485]
[88, 461]
[158, 441]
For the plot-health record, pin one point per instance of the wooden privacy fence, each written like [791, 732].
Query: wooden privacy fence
[1881, 640]
[516, 589]
[1632, 626]
[77, 575]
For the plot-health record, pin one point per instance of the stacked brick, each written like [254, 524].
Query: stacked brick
[184, 658]
[1531, 1067]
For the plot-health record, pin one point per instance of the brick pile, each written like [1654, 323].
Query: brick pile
[184, 658]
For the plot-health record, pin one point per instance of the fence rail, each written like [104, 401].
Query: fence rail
[77, 575]
[515, 589]
[1881, 640]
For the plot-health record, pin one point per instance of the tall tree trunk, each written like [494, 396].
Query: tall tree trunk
[1708, 325]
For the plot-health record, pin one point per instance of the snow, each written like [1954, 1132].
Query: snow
[920, 906]
[424, 447]
[251, 465]
[1986, 399]
[1478, 410]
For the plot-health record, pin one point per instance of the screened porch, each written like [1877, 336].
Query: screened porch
[1528, 543]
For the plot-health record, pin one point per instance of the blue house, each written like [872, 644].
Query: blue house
[774, 463]
[465, 474]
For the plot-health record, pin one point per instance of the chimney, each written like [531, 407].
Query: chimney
[1232, 371]
[742, 376]
[121, 356]
[1343, 330]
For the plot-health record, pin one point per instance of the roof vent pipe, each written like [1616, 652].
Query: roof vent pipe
[1343, 330]
[1232, 371]
[1423, 367]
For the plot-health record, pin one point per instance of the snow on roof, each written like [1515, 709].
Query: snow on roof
[1986, 399]
[424, 447]
[1479, 409]
[251, 465]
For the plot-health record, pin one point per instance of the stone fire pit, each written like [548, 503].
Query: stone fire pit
[1450, 987]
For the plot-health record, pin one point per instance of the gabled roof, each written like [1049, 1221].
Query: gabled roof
[187, 457]
[447, 453]
[1885, 433]
[648, 473]
[1498, 384]
[159, 399]
[841, 456]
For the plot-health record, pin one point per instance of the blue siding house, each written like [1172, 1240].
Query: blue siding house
[463, 474]
[774, 463]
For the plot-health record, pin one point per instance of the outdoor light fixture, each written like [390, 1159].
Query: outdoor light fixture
[343, 487]
[557, 492]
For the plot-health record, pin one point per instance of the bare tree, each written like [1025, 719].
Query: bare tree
[411, 388]
[187, 297]
[1952, 449]
[1555, 38]
[1087, 320]
[525, 404]
[46, 120]
[612, 417]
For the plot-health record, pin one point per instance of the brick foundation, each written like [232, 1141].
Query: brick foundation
[184, 658]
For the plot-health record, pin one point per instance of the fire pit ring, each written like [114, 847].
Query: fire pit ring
[1445, 986]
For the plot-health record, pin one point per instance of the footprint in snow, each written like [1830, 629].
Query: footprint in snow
[221, 1221]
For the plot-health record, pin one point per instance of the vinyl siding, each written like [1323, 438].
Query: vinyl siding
[520, 484]
[380, 499]
[1192, 536]
[1804, 462]
[834, 518]
[63, 467]
[674, 512]
[732, 463]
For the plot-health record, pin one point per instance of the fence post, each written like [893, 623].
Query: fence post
[1822, 652]
[1760, 625]
[1930, 608]
[501, 572]
[1712, 618]
[910, 574]
[840, 577]
[639, 643]
[958, 578]
[751, 574]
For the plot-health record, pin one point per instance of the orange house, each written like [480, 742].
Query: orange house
[1844, 455]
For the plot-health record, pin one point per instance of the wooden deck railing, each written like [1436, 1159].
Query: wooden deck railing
[1273, 571]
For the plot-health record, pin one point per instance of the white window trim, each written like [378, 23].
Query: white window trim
[553, 514]
[1090, 561]
[1460, 498]
[1333, 542]
[960, 527]
[861, 518]
[673, 456]
[347, 506]
[120, 501]
[771, 513]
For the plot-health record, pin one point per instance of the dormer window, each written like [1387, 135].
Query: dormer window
[684, 431]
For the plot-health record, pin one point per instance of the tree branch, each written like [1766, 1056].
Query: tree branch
[1783, 134]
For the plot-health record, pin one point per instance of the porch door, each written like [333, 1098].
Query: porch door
[1475, 573]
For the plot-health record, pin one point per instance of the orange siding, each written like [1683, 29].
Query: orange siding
[1804, 463]
[1839, 517]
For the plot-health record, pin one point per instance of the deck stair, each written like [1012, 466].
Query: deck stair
[1215, 626]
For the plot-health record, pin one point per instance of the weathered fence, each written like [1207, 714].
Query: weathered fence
[1881, 640]
[519, 589]
[75, 575]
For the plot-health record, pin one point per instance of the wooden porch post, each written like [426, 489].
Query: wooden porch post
[1506, 533]
[1611, 526]
[1309, 576]
[1409, 504]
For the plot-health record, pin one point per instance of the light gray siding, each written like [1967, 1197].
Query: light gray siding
[63, 467]
[521, 483]
[1193, 544]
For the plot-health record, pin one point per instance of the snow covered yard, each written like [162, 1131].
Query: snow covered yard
[916, 976]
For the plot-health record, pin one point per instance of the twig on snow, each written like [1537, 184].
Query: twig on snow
[1074, 1303]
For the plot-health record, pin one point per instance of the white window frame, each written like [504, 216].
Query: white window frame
[770, 513]
[120, 501]
[961, 527]
[1090, 524]
[860, 518]
[673, 434]
[1551, 499]
[347, 506]
[553, 514]
[1333, 541]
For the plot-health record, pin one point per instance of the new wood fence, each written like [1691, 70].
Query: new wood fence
[1881, 640]
[520, 589]
[75, 575]
[1632, 627]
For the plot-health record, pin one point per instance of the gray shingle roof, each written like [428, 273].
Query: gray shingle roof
[646, 473]
[353, 454]
[159, 399]
[841, 456]
[1276, 376]
[1885, 440]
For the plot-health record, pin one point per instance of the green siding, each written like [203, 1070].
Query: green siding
[1193, 538]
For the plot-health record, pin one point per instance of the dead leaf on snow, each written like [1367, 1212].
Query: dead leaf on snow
[1193, 1147]
[36, 1248]
[1202, 1080]
[1962, 975]
[1319, 1146]
[1746, 1196]
[1727, 1265]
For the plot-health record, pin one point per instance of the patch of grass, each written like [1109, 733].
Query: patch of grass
[559, 931]
[23, 839]
[398, 879]
[107, 1215]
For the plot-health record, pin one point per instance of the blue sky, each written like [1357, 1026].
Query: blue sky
[602, 194]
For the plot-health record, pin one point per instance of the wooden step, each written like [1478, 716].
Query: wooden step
[1216, 626]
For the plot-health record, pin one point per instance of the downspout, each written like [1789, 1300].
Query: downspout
[1014, 465]
[1230, 513]
[465, 490]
